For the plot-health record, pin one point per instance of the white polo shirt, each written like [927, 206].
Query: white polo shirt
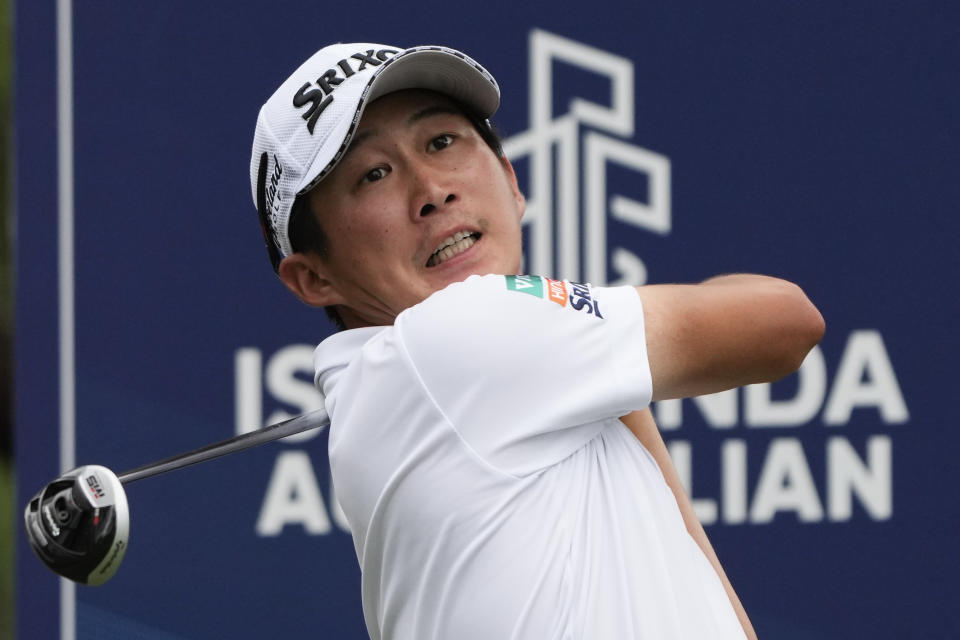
[492, 491]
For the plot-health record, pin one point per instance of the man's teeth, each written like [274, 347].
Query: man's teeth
[457, 243]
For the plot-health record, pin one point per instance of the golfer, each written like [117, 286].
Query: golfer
[491, 441]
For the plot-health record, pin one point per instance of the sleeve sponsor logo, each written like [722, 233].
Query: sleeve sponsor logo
[580, 295]
[581, 300]
[557, 291]
[532, 285]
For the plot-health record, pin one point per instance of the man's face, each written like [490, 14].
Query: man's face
[418, 202]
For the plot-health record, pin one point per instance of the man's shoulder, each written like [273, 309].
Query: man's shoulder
[466, 294]
[509, 297]
[473, 285]
[478, 288]
[493, 310]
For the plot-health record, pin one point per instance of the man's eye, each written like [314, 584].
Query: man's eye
[373, 175]
[441, 142]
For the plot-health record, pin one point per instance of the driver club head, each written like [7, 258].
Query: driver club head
[79, 524]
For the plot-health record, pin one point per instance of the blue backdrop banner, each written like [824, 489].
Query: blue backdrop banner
[655, 142]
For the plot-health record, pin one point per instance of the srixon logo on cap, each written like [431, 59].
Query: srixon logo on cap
[319, 94]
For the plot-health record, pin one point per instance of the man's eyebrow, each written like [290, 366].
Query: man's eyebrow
[433, 110]
[427, 112]
[358, 139]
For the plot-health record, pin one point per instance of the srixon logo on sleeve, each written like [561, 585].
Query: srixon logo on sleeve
[579, 298]
[319, 94]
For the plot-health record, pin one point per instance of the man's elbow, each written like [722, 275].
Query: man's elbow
[803, 329]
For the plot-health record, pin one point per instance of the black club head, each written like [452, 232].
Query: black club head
[79, 524]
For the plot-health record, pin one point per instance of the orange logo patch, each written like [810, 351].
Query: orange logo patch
[557, 291]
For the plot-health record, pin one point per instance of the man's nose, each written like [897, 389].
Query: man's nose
[432, 192]
[429, 207]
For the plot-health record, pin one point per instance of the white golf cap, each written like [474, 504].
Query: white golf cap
[308, 123]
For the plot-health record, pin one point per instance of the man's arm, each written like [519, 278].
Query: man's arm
[726, 332]
[642, 425]
[723, 333]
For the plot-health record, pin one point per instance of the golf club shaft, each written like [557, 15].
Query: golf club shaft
[312, 420]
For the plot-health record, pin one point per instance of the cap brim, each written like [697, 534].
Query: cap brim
[442, 71]
[437, 69]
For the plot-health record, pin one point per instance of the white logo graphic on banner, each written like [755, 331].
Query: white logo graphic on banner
[554, 197]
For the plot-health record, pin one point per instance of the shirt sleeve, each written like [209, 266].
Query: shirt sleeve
[528, 369]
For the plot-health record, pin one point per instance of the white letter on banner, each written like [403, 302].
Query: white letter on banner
[865, 354]
[761, 411]
[785, 484]
[293, 497]
[284, 385]
[847, 474]
[734, 484]
[248, 396]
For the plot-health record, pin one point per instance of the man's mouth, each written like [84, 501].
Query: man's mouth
[457, 243]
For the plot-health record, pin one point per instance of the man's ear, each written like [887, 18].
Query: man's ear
[512, 179]
[304, 275]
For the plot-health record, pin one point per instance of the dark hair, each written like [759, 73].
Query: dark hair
[306, 234]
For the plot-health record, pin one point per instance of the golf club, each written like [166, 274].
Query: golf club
[79, 524]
